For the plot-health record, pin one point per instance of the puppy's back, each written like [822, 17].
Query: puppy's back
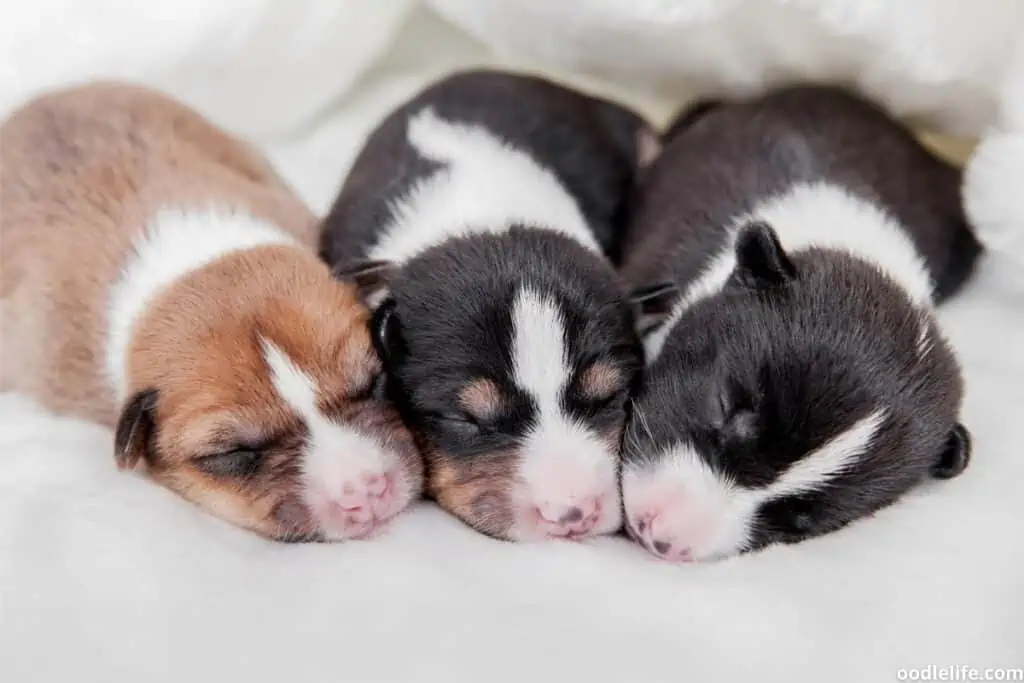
[587, 142]
[81, 172]
[736, 154]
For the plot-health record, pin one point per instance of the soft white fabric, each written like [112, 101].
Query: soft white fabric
[234, 60]
[105, 577]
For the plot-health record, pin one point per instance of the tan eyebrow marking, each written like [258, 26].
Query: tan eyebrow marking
[601, 380]
[481, 398]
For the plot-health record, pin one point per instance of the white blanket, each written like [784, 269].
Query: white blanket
[105, 577]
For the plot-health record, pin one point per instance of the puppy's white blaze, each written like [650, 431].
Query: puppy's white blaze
[176, 242]
[710, 514]
[486, 186]
[336, 455]
[810, 215]
[562, 461]
[821, 466]
[540, 365]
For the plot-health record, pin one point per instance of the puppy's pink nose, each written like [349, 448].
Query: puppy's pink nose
[362, 492]
[376, 484]
[645, 530]
[572, 519]
[668, 551]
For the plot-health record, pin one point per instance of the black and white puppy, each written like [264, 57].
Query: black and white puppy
[800, 381]
[479, 220]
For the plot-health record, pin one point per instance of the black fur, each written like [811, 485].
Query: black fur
[798, 347]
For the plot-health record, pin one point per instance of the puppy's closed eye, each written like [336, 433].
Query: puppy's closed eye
[234, 463]
[462, 423]
[371, 387]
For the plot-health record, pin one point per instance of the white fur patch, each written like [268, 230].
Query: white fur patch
[815, 215]
[486, 186]
[176, 242]
[835, 457]
[563, 463]
[337, 458]
[693, 507]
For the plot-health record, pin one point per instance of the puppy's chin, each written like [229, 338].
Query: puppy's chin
[286, 516]
[488, 493]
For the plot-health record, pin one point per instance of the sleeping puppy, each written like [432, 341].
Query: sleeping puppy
[159, 278]
[478, 221]
[800, 381]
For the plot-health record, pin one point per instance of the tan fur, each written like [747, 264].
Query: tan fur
[81, 173]
[476, 490]
[481, 398]
[601, 380]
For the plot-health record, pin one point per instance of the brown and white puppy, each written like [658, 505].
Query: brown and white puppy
[159, 278]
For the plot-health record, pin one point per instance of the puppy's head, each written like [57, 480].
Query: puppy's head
[512, 357]
[253, 392]
[810, 392]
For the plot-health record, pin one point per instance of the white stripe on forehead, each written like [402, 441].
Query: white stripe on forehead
[486, 186]
[562, 461]
[539, 357]
[334, 450]
[815, 215]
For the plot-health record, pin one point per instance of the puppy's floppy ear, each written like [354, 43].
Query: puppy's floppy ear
[955, 455]
[760, 259]
[385, 330]
[371, 278]
[652, 305]
[135, 428]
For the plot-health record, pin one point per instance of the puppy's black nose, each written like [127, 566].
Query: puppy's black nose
[661, 547]
[573, 515]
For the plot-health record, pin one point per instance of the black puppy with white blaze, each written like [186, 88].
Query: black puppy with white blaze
[800, 381]
[479, 220]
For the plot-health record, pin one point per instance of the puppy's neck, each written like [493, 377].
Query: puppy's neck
[175, 243]
[823, 216]
[486, 186]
